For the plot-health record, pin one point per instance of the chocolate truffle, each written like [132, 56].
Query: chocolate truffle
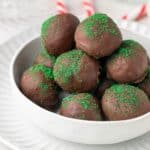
[128, 64]
[75, 71]
[145, 84]
[46, 59]
[122, 101]
[148, 61]
[57, 33]
[37, 83]
[80, 106]
[98, 36]
[104, 84]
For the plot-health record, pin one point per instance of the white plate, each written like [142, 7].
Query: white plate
[25, 135]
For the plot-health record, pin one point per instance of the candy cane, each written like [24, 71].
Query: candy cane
[61, 7]
[137, 13]
[89, 7]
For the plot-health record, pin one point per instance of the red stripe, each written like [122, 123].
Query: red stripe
[89, 13]
[125, 17]
[142, 13]
[60, 4]
[87, 4]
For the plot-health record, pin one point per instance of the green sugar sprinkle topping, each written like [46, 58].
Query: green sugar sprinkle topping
[45, 54]
[45, 70]
[46, 24]
[148, 72]
[83, 99]
[43, 86]
[125, 52]
[66, 65]
[97, 24]
[125, 94]
[130, 43]
[127, 49]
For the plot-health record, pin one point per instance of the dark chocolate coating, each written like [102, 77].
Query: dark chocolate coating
[128, 64]
[148, 61]
[123, 101]
[74, 71]
[145, 84]
[98, 36]
[63, 94]
[44, 58]
[104, 84]
[39, 88]
[58, 33]
[80, 106]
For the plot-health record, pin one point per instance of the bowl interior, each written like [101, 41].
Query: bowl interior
[25, 58]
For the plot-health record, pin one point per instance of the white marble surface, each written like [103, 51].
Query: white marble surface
[17, 15]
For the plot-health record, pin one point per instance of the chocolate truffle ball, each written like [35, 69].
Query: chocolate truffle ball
[148, 61]
[145, 84]
[128, 63]
[75, 71]
[122, 101]
[46, 59]
[80, 106]
[57, 33]
[104, 84]
[98, 36]
[37, 83]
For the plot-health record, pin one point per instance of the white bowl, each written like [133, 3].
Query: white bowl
[80, 131]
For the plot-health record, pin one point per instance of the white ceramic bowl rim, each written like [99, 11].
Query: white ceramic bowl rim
[55, 114]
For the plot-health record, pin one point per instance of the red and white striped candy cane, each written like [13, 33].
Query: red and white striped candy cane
[137, 14]
[61, 7]
[89, 7]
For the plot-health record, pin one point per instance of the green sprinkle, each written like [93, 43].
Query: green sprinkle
[84, 99]
[97, 24]
[127, 49]
[67, 65]
[46, 24]
[45, 54]
[117, 89]
[43, 86]
[125, 52]
[125, 94]
[85, 104]
[45, 70]
[148, 72]
[130, 43]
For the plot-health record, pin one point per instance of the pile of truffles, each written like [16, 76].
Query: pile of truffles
[86, 71]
